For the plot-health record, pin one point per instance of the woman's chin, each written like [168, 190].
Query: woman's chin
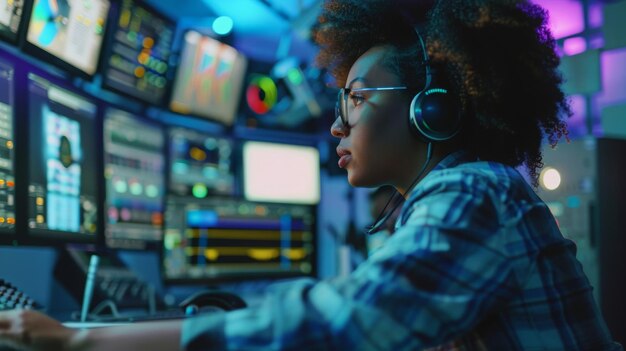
[360, 182]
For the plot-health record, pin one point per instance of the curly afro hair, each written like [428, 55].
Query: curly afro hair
[497, 56]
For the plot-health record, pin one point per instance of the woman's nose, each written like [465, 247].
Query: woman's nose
[338, 129]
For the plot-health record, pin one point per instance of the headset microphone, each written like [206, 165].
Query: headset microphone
[384, 216]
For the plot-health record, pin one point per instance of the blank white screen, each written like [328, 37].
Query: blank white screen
[281, 173]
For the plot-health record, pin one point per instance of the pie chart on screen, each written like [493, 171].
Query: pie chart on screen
[43, 22]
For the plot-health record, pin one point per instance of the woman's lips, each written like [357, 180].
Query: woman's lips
[344, 157]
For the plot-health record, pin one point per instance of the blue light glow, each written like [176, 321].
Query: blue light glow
[223, 25]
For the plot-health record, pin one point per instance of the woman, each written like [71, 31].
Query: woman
[476, 261]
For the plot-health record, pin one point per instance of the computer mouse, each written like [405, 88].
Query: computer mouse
[205, 299]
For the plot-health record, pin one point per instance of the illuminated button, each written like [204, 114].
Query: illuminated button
[143, 58]
[2, 220]
[2, 182]
[10, 183]
[40, 219]
[10, 220]
[148, 43]
[139, 72]
[39, 201]
[9, 144]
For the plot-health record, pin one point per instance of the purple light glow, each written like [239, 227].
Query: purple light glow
[575, 45]
[566, 16]
[576, 124]
[613, 67]
[596, 18]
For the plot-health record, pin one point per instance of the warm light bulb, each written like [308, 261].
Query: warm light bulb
[550, 178]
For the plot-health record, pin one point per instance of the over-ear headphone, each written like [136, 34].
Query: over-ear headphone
[433, 114]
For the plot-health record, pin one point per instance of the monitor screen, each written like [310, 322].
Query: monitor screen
[237, 239]
[7, 163]
[209, 79]
[134, 170]
[10, 18]
[284, 173]
[201, 164]
[63, 163]
[69, 31]
[137, 63]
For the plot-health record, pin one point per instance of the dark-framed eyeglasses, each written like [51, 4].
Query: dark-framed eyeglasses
[341, 107]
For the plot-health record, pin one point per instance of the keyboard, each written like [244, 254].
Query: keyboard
[160, 315]
[12, 298]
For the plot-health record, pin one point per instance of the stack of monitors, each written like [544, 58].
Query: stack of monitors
[10, 18]
[231, 238]
[63, 163]
[7, 163]
[68, 33]
[200, 164]
[134, 168]
[138, 62]
[209, 79]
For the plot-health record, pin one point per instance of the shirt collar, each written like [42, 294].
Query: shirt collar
[454, 159]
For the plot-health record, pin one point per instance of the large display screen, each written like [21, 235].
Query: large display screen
[236, 239]
[138, 61]
[209, 79]
[10, 18]
[134, 169]
[285, 173]
[201, 164]
[63, 162]
[69, 30]
[7, 163]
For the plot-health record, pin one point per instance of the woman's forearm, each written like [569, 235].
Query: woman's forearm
[154, 336]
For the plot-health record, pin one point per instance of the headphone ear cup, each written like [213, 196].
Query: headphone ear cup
[434, 116]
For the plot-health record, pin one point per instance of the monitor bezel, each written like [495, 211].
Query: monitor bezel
[43, 237]
[148, 245]
[10, 236]
[208, 116]
[108, 51]
[48, 57]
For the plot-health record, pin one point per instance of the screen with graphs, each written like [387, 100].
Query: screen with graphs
[10, 18]
[209, 79]
[71, 31]
[7, 164]
[200, 164]
[134, 170]
[237, 239]
[63, 177]
[138, 61]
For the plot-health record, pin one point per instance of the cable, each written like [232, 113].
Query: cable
[383, 217]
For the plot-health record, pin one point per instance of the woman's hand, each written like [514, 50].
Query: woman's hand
[34, 330]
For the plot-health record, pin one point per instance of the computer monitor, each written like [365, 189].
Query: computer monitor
[201, 164]
[209, 79]
[10, 19]
[138, 60]
[228, 238]
[63, 164]
[7, 158]
[286, 173]
[134, 170]
[68, 33]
